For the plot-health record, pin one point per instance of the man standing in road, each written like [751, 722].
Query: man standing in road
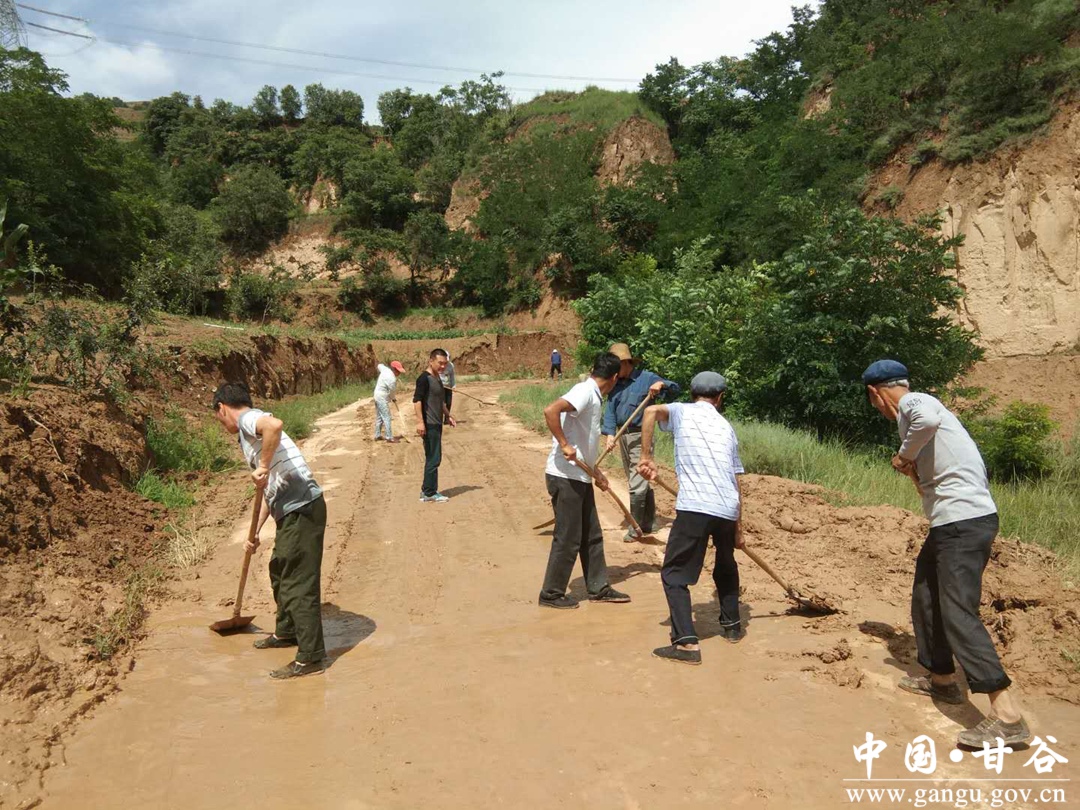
[556, 365]
[634, 385]
[296, 502]
[937, 451]
[429, 404]
[574, 422]
[709, 505]
[385, 393]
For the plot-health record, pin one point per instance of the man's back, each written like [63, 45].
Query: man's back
[706, 460]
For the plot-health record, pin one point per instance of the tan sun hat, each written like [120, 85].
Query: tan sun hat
[622, 351]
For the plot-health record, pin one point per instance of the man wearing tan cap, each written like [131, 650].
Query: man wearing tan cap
[634, 385]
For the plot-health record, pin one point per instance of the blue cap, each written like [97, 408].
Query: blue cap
[708, 384]
[884, 371]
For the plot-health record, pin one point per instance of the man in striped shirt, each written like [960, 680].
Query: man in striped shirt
[709, 505]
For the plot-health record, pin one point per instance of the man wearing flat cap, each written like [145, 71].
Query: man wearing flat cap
[942, 458]
[634, 385]
[709, 505]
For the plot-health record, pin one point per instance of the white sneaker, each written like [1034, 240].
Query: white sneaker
[438, 497]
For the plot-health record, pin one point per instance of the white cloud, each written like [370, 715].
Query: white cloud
[600, 38]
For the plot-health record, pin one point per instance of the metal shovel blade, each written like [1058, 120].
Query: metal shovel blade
[226, 626]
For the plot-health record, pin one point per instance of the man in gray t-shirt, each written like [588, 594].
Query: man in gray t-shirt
[296, 503]
[944, 462]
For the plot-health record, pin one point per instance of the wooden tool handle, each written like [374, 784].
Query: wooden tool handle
[661, 482]
[252, 530]
[749, 552]
[627, 424]
[614, 497]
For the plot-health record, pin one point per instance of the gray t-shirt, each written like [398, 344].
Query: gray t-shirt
[291, 484]
[951, 470]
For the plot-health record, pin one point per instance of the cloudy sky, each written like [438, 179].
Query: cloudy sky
[138, 51]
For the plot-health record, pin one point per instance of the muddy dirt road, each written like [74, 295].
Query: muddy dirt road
[450, 688]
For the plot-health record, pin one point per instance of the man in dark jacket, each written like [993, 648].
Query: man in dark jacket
[634, 385]
[429, 403]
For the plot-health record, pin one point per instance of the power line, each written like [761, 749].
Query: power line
[268, 63]
[282, 49]
[58, 31]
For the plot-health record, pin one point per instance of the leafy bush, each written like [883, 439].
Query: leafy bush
[1016, 445]
[352, 297]
[337, 256]
[269, 297]
[253, 209]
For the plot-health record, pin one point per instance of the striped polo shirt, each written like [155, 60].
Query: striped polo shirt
[706, 459]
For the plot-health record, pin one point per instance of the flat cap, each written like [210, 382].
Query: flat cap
[708, 384]
[884, 371]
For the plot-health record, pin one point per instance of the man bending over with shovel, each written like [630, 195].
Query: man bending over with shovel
[635, 385]
[296, 502]
[574, 422]
[708, 505]
[937, 450]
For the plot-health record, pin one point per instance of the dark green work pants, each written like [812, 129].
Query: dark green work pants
[295, 568]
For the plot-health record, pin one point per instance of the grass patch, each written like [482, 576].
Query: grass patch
[605, 108]
[299, 413]
[121, 626]
[1045, 512]
[359, 336]
[187, 548]
[180, 446]
[173, 494]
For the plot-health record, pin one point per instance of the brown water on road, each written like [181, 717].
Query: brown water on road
[450, 688]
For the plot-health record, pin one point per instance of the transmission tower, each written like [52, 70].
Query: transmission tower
[12, 32]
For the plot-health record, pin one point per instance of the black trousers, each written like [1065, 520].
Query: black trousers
[683, 560]
[295, 570]
[945, 603]
[432, 459]
[577, 534]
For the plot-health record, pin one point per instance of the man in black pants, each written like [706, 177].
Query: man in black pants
[429, 403]
[574, 422]
[937, 452]
[709, 505]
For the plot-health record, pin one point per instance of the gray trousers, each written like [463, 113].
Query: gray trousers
[642, 499]
[945, 603]
[577, 534]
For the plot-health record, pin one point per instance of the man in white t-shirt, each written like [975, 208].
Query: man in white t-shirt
[385, 393]
[296, 502]
[709, 505]
[574, 422]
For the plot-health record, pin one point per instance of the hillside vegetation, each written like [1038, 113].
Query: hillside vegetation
[749, 253]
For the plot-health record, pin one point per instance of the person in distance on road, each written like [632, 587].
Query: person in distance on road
[385, 393]
[556, 365]
[709, 504]
[574, 422]
[938, 453]
[296, 501]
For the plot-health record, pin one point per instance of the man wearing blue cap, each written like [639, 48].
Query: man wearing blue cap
[937, 452]
[709, 505]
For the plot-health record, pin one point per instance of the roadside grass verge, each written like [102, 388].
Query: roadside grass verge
[1045, 512]
[122, 625]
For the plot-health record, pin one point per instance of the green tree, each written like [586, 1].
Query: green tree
[291, 106]
[265, 105]
[342, 108]
[426, 246]
[253, 209]
[162, 119]
[377, 190]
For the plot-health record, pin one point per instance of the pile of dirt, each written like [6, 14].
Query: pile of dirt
[71, 534]
[864, 558]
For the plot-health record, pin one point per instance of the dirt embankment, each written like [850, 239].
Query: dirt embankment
[1019, 265]
[73, 534]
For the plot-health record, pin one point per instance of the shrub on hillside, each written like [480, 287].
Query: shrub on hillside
[268, 297]
[1017, 444]
[253, 209]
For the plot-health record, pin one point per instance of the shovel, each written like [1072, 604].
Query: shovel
[238, 622]
[470, 396]
[626, 512]
[811, 603]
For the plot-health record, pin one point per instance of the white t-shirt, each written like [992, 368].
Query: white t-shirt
[386, 384]
[582, 429]
[291, 484]
[706, 459]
